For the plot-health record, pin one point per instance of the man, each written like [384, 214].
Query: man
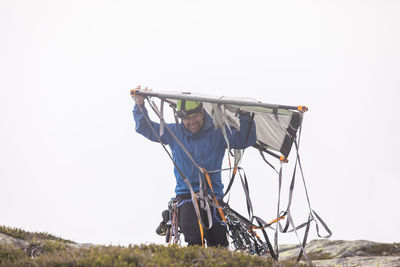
[207, 147]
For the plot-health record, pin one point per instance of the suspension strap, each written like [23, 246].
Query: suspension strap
[220, 121]
[235, 169]
[201, 231]
[221, 213]
[303, 245]
[162, 121]
[175, 138]
[266, 161]
[271, 250]
[319, 219]
[245, 186]
[237, 157]
[303, 250]
[278, 211]
[194, 198]
[250, 126]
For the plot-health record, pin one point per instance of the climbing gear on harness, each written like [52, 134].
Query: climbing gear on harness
[169, 225]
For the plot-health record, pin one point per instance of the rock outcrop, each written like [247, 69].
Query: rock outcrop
[346, 253]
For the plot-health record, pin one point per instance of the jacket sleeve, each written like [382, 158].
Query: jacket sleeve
[143, 127]
[238, 138]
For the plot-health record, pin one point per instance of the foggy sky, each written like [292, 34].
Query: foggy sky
[72, 165]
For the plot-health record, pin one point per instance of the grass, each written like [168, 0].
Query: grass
[29, 236]
[48, 250]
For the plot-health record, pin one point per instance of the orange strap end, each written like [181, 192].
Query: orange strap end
[133, 92]
[302, 108]
[201, 233]
[235, 169]
[284, 159]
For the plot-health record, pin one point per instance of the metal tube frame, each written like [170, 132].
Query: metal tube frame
[221, 100]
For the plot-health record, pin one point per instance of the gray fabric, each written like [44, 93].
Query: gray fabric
[269, 131]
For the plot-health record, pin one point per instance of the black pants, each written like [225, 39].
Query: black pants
[188, 222]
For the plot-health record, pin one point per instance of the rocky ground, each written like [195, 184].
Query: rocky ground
[322, 252]
[325, 252]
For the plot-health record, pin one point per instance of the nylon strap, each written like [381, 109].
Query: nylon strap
[235, 169]
[201, 232]
[220, 121]
[271, 250]
[266, 161]
[193, 195]
[289, 216]
[245, 186]
[176, 139]
[237, 156]
[250, 126]
[215, 199]
[278, 212]
[305, 237]
[162, 121]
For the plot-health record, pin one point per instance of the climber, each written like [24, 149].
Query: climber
[207, 146]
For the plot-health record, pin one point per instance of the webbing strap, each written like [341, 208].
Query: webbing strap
[271, 250]
[319, 219]
[238, 156]
[290, 219]
[312, 215]
[266, 161]
[201, 232]
[215, 199]
[193, 195]
[235, 169]
[278, 212]
[204, 200]
[175, 117]
[220, 121]
[291, 188]
[162, 121]
[245, 186]
[303, 245]
[175, 138]
[250, 126]
[323, 224]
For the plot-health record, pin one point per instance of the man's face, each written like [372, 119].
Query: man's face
[194, 123]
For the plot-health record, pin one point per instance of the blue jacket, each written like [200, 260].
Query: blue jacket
[207, 147]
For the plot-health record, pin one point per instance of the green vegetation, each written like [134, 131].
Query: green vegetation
[28, 236]
[42, 249]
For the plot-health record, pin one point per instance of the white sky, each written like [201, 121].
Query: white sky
[72, 165]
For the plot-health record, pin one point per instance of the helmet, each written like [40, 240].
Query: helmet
[187, 108]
